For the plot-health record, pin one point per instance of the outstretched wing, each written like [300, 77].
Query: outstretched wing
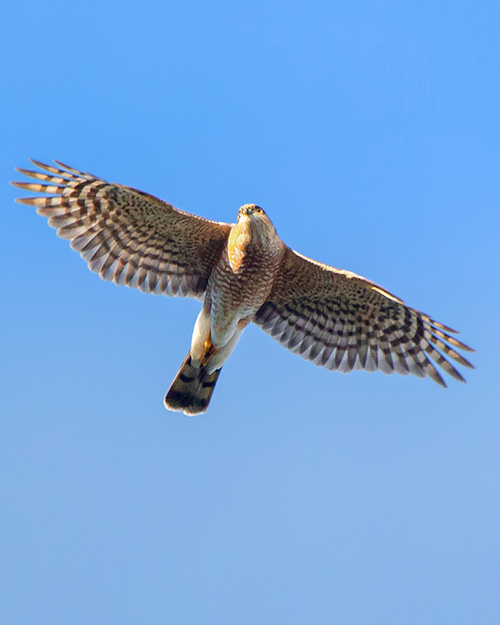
[125, 235]
[341, 321]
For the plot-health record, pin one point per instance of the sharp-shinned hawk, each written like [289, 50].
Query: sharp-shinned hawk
[244, 273]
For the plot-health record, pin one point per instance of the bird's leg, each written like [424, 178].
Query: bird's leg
[221, 354]
[208, 351]
[200, 341]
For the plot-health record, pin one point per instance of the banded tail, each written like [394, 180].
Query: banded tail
[192, 389]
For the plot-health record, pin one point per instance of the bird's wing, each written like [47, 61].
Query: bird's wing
[125, 235]
[341, 321]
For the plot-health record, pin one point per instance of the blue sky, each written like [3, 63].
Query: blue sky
[369, 132]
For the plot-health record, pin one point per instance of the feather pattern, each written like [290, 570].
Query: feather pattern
[342, 321]
[125, 235]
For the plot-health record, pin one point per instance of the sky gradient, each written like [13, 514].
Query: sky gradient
[370, 134]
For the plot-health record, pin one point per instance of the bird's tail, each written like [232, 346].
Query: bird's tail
[192, 389]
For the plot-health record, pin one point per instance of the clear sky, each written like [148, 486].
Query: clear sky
[370, 133]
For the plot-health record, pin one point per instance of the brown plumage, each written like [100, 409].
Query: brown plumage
[244, 273]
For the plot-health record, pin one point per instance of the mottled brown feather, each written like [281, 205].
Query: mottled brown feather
[125, 235]
[342, 321]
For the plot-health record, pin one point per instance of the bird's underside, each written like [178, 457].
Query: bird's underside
[244, 273]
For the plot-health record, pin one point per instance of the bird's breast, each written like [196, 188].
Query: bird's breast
[243, 278]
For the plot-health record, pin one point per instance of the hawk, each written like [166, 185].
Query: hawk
[244, 273]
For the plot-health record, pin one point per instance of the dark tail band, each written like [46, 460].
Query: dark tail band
[192, 389]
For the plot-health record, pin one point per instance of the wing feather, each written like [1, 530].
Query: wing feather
[342, 321]
[127, 236]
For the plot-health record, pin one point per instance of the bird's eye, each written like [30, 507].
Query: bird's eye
[258, 209]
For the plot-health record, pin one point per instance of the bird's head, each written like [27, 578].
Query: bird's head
[251, 211]
[255, 216]
[252, 218]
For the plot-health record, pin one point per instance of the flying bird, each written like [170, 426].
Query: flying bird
[244, 273]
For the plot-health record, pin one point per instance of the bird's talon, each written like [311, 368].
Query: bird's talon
[209, 352]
